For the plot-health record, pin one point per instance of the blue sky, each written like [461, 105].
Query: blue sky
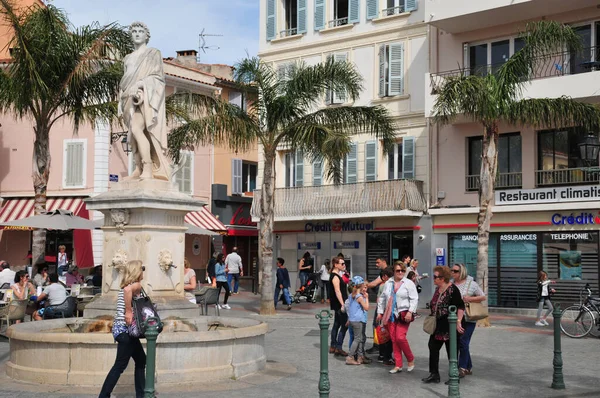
[175, 24]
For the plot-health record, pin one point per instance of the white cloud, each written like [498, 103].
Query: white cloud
[176, 24]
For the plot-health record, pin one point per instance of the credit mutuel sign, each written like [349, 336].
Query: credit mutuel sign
[548, 195]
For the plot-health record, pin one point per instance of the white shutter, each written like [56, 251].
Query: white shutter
[236, 176]
[186, 171]
[351, 166]
[271, 19]
[301, 16]
[408, 157]
[353, 11]
[299, 165]
[396, 69]
[235, 98]
[371, 161]
[74, 163]
[319, 14]
[318, 172]
[382, 79]
[372, 9]
[340, 97]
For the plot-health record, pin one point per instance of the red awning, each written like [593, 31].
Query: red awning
[205, 219]
[16, 209]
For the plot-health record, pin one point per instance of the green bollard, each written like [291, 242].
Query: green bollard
[152, 325]
[558, 382]
[453, 389]
[324, 386]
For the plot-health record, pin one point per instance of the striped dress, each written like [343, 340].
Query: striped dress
[119, 324]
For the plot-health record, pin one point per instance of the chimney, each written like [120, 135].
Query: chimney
[187, 57]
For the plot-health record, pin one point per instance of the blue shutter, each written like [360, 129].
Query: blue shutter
[411, 5]
[319, 14]
[396, 69]
[351, 164]
[339, 97]
[271, 22]
[299, 164]
[371, 161]
[408, 157]
[318, 172]
[372, 9]
[353, 11]
[301, 16]
[382, 77]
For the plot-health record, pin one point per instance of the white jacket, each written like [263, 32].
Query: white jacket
[407, 297]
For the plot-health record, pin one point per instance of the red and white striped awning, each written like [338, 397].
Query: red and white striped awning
[18, 208]
[205, 219]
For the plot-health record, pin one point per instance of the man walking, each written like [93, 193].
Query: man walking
[282, 283]
[233, 267]
[381, 264]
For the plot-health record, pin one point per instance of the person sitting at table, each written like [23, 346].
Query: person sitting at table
[73, 276]
[189, 281]
[22, 289]
[41, 278]
[6, 275]
[54, 294]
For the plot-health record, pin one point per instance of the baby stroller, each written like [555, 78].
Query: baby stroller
[309, 290]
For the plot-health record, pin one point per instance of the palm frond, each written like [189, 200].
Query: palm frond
[554, 112]
[465, 94]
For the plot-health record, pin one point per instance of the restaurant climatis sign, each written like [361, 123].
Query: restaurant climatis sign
[548, 195]
[339, 226]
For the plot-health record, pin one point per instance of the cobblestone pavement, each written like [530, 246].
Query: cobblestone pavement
[511, 358]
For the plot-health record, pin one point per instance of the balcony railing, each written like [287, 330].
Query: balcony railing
[337, 22]
[288, 32]
[386, 12]
[547, 65]
[346, 199]
[503, 180]
[546, 178]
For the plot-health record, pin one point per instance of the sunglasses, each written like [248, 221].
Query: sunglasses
[456, 271]
[342, 263]
[438, 277]
[398, 271]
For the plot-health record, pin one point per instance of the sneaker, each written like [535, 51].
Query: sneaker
[539, 323]
[395, 370]
[545, 322]
[380, 359]
[226, 306]
[289, 307]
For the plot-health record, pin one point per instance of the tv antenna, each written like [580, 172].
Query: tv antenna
[202, 43]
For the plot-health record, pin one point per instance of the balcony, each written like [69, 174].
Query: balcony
[337, 22]
[365, 199]
[388, 12]
[503, 181]
[546, 178]
[288, 33]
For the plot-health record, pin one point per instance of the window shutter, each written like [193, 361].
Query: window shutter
[301, 16]
[353, 11]
[299, 164]
[186, 183]
[74, 164]
[236, 176]
[371, 161]
[329, 90]
[235, 98]
[382, 60]
[319, 14]
[372, 9]
[271, 19]
[339, 97]
[318, 172]
[351, 165]
[411, 5]
[396, 69]
[408, 157]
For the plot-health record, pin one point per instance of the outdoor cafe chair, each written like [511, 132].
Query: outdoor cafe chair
[210, 297]
[66, 309]
[5, 285]
[13, 311]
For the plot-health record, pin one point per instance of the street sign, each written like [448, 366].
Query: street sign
[113, 177]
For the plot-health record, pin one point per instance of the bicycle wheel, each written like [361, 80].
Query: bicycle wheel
[595, 329]
[576, 321]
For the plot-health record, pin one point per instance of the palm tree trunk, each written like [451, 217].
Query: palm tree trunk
[489, 166]
[267, 220]
[41, 173]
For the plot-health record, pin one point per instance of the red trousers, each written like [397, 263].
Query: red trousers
[398, 331]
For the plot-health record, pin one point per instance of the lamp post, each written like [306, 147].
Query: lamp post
[589, 149]
[124, 143]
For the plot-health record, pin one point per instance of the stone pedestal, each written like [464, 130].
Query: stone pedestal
[143, 220]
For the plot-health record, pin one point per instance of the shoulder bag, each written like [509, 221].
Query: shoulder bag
[430, 322]
[475, 311]
[143, 309]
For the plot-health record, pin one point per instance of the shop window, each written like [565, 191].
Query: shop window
[401, 160]
[518, 270]
[509, 173]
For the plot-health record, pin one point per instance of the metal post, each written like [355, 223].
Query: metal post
[558, 382]
[152, 330]
[323, 318]
[453, 389]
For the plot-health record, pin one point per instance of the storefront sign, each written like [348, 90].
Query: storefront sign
[346, 245]
[339, 226]
[309, 245]
[548, 195]
[583, 218]
[518, 237]
[571, 236]
[238, 219]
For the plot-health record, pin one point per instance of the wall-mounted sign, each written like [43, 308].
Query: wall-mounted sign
[518, 237]
[339, 226]
[113, 177]
[242, 216]
[346, 245]
[583, 218]
[309, 245]
[582, 236]
[440, 251]
[547, 195]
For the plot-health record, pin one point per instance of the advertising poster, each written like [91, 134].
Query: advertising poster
[570, 265]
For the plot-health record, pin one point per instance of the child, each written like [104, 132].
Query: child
[543, 296]
[282, 283]
[357, 307]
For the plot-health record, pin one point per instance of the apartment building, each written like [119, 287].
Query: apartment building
[546, 204]
[378, 209]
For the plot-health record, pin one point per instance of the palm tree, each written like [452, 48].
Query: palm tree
[58, 72]
[285, 113]
[496, 98]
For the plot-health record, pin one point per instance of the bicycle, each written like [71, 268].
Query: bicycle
[579, 320]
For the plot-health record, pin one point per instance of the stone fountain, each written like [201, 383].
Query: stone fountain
[143, 220]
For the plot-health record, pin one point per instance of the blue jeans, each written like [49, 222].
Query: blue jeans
[230, 277]
[464, 356]
[286, 295]
[338, 331]
[303, 278]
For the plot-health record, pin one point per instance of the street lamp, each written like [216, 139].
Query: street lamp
[125, 145]
[589, 149]
[123, 137]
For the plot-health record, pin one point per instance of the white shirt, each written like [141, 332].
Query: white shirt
[407, 297]
[233, 263]
[324, 273]
[56, 293]
[7, 276]
[62, 259]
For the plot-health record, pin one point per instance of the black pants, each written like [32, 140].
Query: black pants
[339, 329]
[434, 353]
[386, 350]
[224, 285]
[128, 347]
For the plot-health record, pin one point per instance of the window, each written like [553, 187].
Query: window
[284, 71]
[394, 7]
[401, 160]
[579, 61]
[350, 167]
[291, 16]
[248, 177]
[238, 99]
[509, 162]
[74, 163]
[371, 161]
[480, 57]
[293, 21]
[294, 169]
[184, 174]
[391, 69]
[336, 97]
[340, 13]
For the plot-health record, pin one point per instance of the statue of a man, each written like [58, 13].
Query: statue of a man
[142, 106]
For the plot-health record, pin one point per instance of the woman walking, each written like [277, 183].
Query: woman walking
[543, 297]
[324, 281]
[445, 295]
[221, 277]
[127, 346]
[396, 307]
[470, 293]
[338, 294]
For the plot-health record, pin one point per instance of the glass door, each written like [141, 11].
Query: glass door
[402, 244]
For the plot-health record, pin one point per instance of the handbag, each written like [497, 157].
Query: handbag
[383, 335]
[430, 321]
[402, 318]
[143, 309]
[475, 311]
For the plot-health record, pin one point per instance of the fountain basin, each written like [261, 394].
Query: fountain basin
[77, 351]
